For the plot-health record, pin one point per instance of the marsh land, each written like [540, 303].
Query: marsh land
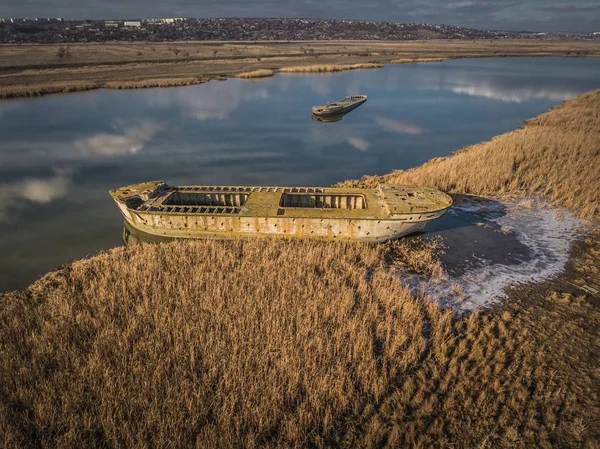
[31, 69]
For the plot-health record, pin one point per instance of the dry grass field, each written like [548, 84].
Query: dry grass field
[276, 343]
[27, 69]
[264, 343]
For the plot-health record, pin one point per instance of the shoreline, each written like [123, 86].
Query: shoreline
[35, 70]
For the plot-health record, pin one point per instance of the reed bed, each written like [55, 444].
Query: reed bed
[270, 343]
[263, 73]
[329, 68]
[35, 90]
[151, 83]
[555, 155]
[416, 60]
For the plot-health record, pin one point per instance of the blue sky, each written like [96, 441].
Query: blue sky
[534, 15]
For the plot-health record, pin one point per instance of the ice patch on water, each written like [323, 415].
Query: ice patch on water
[547, 233]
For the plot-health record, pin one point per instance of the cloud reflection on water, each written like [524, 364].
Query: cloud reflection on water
[511, 87]
[398, 126]
[35, 190]
[516, 94]
[210, 101]
[359, 143]
[132, 139]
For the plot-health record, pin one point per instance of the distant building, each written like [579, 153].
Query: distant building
[132, 23]
[168, 20]
[49, 19]
[112, 23]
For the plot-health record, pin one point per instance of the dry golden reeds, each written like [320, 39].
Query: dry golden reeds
[329, 68]
[270, 343]
[416, 60]
[263, 73]
[151, 83]
[35, 90]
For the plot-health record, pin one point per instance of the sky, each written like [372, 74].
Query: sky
[530, 15]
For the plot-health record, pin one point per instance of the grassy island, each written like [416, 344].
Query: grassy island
[269, 343]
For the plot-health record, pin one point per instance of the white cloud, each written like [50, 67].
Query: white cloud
[35, 190]
[359, 143]
[131, 139]
[397, 126]
[461, 4]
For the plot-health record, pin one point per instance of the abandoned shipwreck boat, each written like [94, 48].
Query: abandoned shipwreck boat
[340, 107]
[372, 215]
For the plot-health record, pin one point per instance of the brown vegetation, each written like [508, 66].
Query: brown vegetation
[416, 60]
[35, 90]
[149, 83]
[263, 73]
[329, 68]
[555, 155]
[197, 344]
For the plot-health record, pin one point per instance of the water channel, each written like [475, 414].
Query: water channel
[60, 154]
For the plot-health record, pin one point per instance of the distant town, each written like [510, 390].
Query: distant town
[59, 30]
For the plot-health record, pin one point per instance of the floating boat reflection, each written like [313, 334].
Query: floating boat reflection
[328, 119]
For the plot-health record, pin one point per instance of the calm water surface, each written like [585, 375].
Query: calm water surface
[59, 155]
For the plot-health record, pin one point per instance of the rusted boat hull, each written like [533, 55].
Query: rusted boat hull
[221, 212]
[182, 226]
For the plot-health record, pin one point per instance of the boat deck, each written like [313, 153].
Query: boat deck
[384, 201]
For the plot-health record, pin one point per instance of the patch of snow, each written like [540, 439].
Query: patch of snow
[547, 232]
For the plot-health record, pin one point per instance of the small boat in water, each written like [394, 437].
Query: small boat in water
[386, 212]
[340, 107]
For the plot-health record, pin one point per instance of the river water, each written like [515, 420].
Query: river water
[60, 154]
